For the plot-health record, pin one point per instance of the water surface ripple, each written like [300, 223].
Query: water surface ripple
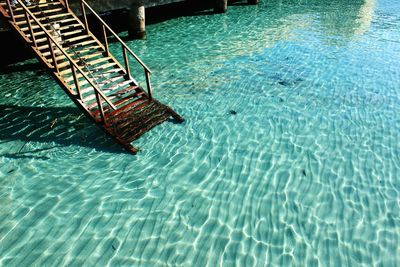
[289, 156]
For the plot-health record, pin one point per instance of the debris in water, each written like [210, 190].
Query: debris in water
[284, 83]
[53, 123]
[232, 112]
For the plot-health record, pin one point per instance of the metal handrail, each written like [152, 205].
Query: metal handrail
[115, 35]
[80, 60]
[71, 61]
[124, 47]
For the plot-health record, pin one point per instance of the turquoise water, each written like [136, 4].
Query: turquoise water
[289, 156]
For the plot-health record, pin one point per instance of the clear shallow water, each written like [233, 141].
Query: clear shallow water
[305, 174]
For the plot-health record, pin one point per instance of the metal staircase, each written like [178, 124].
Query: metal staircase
[93, 78]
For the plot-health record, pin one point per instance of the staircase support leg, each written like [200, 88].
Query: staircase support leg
[220, 6]
[137, 21]
[148, 83]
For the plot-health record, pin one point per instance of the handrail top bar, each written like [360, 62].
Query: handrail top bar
[4, 12]
[116, 36]
[66, 55]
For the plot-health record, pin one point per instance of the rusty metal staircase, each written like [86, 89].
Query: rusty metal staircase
[92, 77]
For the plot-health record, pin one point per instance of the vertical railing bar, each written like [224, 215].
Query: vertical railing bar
[126, 61]
[30, 29]
[85, 21]
[53, 56]
[105, 40]
[10, 10]
[76, 81]
[65, 4]
[100, 106]
[149, 90]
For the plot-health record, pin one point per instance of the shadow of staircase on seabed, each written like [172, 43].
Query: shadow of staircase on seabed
[64, 126]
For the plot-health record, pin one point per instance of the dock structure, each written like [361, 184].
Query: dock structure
[137, 9]
[136, 19]
[101, 86]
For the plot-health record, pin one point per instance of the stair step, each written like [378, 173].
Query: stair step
[62, 34]
[42, 5]
[128, 106]
[49, 18]
[121, 101]
[46, 46]
[82, 44]
[44, 39]
[126, 98]
[83, 82]
[134, 119]
[104, 67]
[69, 33]
[87, 68]
[98, 61]
[36, 14]
[131, 96]
[125, 91]
[76, 38]
[85, 58]
[68, 71]
[62, 28]
[48, 54]
[23, 25]
[104, 82]
[83, 52]
[93, 96]
[136, 132]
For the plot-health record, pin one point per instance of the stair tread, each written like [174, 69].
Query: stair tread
[95, 70]
[93, 96]
[134, 133]
[62, 28]
[49, 18]
[137, 114]
[39, 12]
[134, 95]
[35, 27]
[62, 34]
[47, 4]
[100, 85]
[128, 106]
[46, 46]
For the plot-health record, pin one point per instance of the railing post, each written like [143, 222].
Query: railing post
[100, 106]
[85, 21]
[10, 10]
[76, 81]
[149, 90]
[53, 56]
[105, 40]
[65, 4]
[30, 29]
[128, 71]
